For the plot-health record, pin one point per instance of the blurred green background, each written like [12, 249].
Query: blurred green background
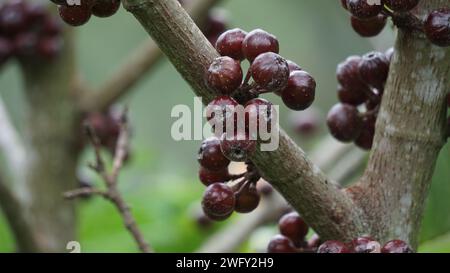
[161, 181]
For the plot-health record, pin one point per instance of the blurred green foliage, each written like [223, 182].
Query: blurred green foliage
[161, 181]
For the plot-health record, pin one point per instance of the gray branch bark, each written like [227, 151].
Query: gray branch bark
[410, 132]
[52, 154]
[302, 183]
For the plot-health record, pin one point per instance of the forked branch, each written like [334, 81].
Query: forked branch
[410, 132]
[111, 180]
[330, 212]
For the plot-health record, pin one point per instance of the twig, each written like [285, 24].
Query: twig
[137, 65]
[110, 179]
[82, 192]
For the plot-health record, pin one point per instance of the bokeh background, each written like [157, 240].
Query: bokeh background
[161, 182]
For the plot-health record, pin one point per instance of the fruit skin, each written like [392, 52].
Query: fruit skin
[25, 45]
[216, 23]
[224, 75]
[293, 66]
[203, 221]
[258, 112]
[294, 227]
[437, 27]
[50, 47]
[307, 123]
[210, 155]
[364, 244]
[369, 27]
[51, 26]
[365, 138]
[264, 188]
[351, 97]
[257, 42]
[333, 247]
[396, 246]
[237, 147]
[281, 244]
[59, 2]
[229, 43]
[344, 122]
[208, 177]
[36, 13]
[247, 200]
[225, 106]
[218, 201]
[6, 50]
[105, 8]
[314, 242]
[362, 9]
[76, 15]
[347, 74]
[13, 17]
[401, 5]
[374, 69]
[270, 71]
[300, 91]
[105, 126]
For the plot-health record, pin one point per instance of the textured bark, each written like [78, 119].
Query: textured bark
[410, 132]
[51, 147]
[11, 206]
[387, 202]
[273, 206]
[329, 211]
[41, 220]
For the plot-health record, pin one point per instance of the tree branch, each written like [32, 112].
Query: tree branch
[329, 211]
[17, 220]
[111, 180]
[326, 154]
[83, 192]
[52, 146]
[295, 176]
[137, 65]
[13, 149]
[410, 132]
[11, 145]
